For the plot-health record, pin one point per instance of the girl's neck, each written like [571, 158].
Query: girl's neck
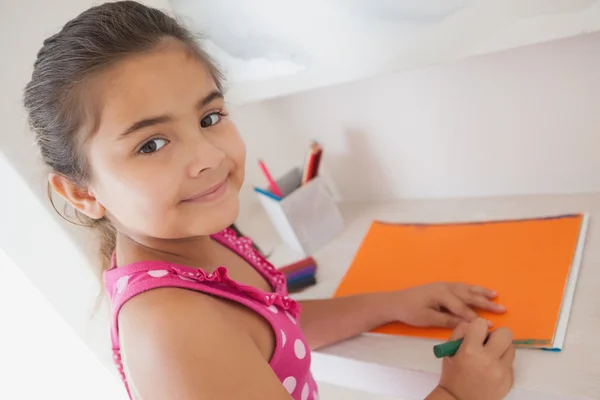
[196, 252]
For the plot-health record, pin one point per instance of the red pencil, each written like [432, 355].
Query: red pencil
[270, 180]
[311, 159]
[315, 167]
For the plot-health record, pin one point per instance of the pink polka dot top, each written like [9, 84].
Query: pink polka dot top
[291, 358]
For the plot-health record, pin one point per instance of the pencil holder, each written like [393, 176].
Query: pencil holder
[307, 217]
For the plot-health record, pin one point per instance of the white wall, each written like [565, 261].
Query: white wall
[524, 121]
[44, 349]
[268, 136]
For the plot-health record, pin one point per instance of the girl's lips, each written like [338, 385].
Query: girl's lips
[212, 193]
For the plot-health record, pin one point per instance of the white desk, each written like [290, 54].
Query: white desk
[405, 367]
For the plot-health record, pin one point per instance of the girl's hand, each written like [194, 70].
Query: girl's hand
[478, 370]
[442, 305]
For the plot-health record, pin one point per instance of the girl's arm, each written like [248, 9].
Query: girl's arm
[177, 344]
[329, 321]
[326, 322]
[440, 394]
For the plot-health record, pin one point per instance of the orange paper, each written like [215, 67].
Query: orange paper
[526, 261]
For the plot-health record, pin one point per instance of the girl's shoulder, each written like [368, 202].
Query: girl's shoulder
[163, 334]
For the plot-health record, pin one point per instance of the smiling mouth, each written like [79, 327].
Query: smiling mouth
[212, 193]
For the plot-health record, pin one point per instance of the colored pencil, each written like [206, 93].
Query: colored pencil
[272, 184]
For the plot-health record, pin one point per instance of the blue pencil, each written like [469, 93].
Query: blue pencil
[267, 193]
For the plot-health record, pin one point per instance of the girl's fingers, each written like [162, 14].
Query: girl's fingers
[490, 294]
[457, 306]
[500, 342]
[476, 334]
[479, 297]
[443, 320]
[460, 331]
[509, 355]
[483, 303]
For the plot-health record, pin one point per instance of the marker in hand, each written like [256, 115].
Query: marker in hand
[449, 349]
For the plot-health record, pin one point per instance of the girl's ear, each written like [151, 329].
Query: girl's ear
[80, 198]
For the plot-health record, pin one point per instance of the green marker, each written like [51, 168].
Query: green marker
[449, 349]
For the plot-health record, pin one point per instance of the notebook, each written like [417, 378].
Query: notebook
[533, 264]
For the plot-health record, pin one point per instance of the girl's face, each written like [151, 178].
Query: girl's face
[166, 161]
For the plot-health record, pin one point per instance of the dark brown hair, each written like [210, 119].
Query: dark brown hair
[85, 46]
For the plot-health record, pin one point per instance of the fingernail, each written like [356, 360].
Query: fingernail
[490, 323]
[500, 307]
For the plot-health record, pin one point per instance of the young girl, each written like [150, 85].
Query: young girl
[129, 116]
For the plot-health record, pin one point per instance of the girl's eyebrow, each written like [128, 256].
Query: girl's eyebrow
[214, 95]
[146, 122]
[161, 119]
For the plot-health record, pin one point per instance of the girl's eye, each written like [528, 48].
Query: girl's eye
[152, 146]
[210, 120]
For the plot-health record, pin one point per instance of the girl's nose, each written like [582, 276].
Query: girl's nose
[204, 155]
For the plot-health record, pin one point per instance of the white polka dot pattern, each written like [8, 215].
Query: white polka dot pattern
[273, 309]
[305, 392]
[122, 283]
[289, 384]
[291, 317]
[299, 349]
[283, 338]
[158, 273]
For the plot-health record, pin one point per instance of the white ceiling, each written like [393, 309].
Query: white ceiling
[276, 47]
